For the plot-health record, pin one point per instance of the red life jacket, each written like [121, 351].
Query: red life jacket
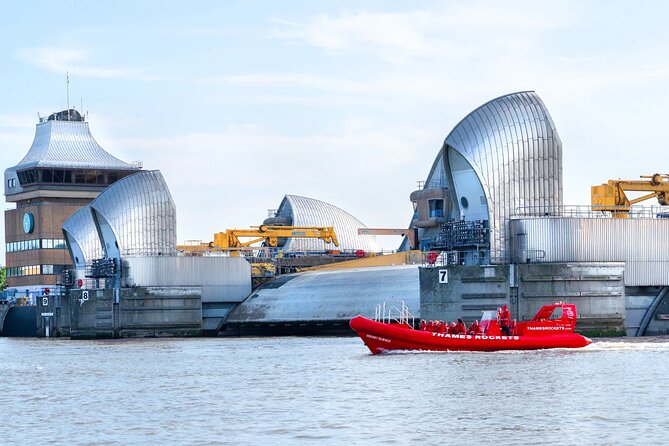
[504, 318]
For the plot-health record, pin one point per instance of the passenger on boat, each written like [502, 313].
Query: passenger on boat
[441, 327]
[452, 328]
[504, 317]
[475, 328]
[423, 325]
[460, 327]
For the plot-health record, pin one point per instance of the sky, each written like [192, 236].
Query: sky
[238, 103]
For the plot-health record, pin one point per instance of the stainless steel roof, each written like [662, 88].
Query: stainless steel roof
[136, 216]
[82, 237]
[513, 147]
[69, 144]
[310, 212]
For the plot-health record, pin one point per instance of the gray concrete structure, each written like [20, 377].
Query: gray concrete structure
[224, 281]
[140, 312]
[597, 289]
[462, 292]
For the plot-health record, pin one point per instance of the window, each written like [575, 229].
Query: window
[31, 176]
[54, 269]
[60, 269]
[28, 245]
[18, 271]
[436, 208]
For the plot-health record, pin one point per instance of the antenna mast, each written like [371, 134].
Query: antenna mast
[67, 74]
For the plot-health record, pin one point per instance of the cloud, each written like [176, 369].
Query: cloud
[79, 63]
[450, 32]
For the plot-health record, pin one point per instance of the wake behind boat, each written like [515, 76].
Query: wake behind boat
[393, 329]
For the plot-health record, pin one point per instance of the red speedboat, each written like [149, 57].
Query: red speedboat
[552, 327]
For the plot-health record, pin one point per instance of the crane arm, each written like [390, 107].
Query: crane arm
[229, 240]
[643, 198]
[611, 196]
[271, 234]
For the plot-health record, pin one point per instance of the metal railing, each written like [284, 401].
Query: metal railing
[432, 184]
[586, 211]
[482, 257]
[433, 259]
[394, 312]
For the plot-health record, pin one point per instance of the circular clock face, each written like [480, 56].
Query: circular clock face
[28, 222]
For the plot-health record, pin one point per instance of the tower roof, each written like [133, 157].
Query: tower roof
[68, 144]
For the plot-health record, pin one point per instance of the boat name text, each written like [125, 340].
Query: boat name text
[461, 336]
[377, 338]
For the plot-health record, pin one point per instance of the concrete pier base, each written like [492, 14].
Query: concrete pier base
[452, 292]
[135, 312]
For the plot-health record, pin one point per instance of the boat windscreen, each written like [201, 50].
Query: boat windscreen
[489, 316]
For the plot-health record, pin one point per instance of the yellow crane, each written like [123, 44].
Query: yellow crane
[270, 235]
[611, 196]
[261, 269]
[229, 240]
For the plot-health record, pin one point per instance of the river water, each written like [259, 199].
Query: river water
[328, 391]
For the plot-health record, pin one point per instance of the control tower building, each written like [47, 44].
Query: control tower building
[64, 170]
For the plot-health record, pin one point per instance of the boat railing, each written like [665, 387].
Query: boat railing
[394, 312]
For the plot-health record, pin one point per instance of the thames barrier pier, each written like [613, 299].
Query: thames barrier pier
[92, 247]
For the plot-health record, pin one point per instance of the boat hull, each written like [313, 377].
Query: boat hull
[380, 337]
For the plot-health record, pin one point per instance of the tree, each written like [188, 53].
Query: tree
[3, 278]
